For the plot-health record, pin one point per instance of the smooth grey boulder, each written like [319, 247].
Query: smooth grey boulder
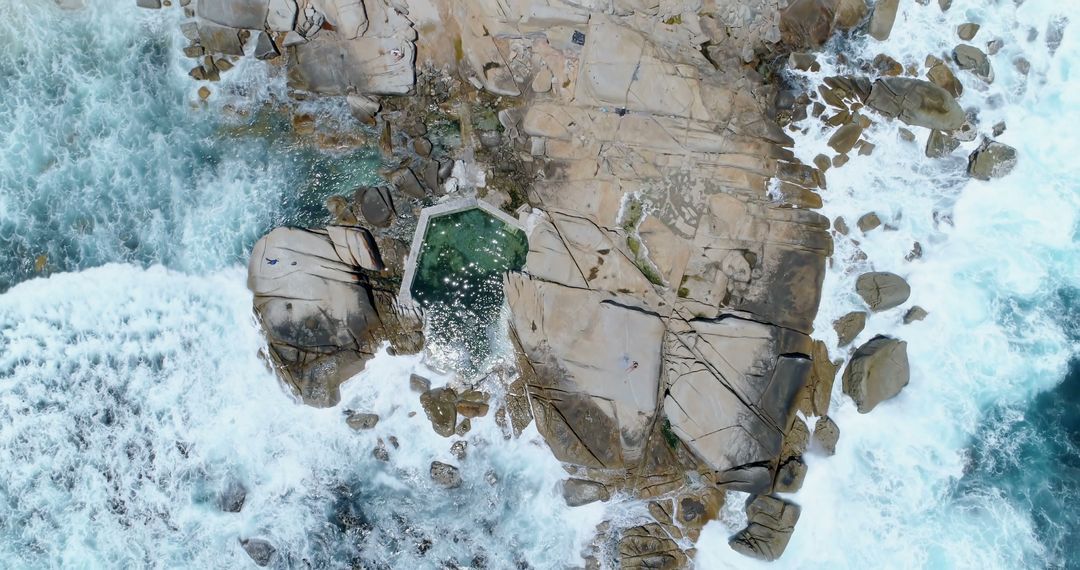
[770, 522]
[445, 475]
[578, 492]
[916, 102]
[882, 290]
[260, 550]
[991, 160]
[878, 371]
[849, 13]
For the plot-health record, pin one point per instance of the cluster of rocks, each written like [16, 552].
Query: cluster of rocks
[895, 91]
[662, 320]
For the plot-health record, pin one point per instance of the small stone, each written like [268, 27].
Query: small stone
[194, 51]
[999, 129]
[491, 478]
[868, 222]
[422, 147]
[943, 77]
[439, 405]
[907, 135]
[915, 253]
[380, 452]
[866, 148]
[973, 59]
[991, 160]
[361, 421]
[578, 492]
[994, 46]
[232, 497]
[204, 93]
[940, 144]
[445, 475]
[931, 61]
[826, 434]
[886, 65]
[844, 139]
[223, 64]
[463, 427]
[840, 160]
[260, 551]
[458, 449]
[967, 31]
[472, 409]
[944, 4]
[152, 5]
[804, 61]
[822, 162]
[849, 326]
[264, 46]
[1022, 65]
[419, 384]
[915, 313]
[841, 226]
[363, 108]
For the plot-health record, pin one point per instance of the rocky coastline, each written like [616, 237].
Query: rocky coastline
[662, 323]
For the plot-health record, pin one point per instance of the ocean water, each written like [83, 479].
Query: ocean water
[132, 396]
[975, 464]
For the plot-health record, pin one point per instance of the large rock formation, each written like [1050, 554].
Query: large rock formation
[663, 316]
[323, 307]
[335, 47]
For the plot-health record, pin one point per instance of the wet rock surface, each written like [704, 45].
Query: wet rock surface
[878, 371]
[882, 290]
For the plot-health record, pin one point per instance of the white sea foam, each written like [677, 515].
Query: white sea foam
[131, 397]
[994, 255]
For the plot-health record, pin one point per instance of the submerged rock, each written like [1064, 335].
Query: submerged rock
[260, 550]
[868, 222]
[232, 497]
[770, 522]
[445, 475]
[878, 371]
[882, 290]
[362, 421]
[991, 160]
